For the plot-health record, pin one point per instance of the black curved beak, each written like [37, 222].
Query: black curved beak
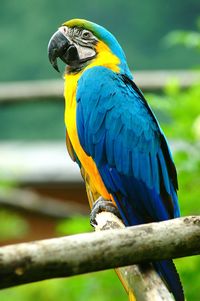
[60, 46]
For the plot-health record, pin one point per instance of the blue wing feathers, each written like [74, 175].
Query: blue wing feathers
[135, 163]
[109, 148]
[145, 166]
[119, 188]
[97, 136]
[100, 158]
[96, 121]
[175, 201]
[155, 172]
[118, 130]
[164, 171]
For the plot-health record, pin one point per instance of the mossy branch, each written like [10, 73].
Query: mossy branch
[83, 253]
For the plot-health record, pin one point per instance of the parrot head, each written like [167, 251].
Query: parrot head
[79, 43]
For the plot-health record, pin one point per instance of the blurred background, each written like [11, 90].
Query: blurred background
[41, 191]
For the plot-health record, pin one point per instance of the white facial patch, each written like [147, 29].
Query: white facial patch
[85, 51]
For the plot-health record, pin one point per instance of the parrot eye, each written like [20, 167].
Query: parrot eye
[86, 34]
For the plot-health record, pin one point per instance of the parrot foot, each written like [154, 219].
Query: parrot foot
[102, 205]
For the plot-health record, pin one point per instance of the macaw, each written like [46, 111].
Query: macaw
[113, 134]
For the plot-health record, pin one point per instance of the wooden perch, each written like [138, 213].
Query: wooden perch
[29, 201]
[144, 282]
[52, 89]
[83, 253]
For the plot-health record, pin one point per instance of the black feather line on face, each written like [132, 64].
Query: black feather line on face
[76, 34]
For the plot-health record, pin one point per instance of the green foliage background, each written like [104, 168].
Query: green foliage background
[25, 27]
[180, 112]
[140, 26]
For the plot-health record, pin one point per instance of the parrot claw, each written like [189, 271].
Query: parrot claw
[102, 205]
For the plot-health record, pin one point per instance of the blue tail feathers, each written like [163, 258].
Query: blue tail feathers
[169, 274]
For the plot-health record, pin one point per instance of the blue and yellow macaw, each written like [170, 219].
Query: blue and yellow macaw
[112, 133]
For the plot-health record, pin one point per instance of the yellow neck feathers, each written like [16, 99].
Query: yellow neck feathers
[105, 58]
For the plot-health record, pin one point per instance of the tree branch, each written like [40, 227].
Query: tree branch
[52, 89]
[29, 201]
[141, 281]
[83, 253]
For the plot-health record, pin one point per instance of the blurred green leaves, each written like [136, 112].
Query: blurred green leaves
[12, 225]
[186, 38]
[181, 109]
[74, 225]
[189, 271]
[178, 112]
[138, 25]
[102, 286]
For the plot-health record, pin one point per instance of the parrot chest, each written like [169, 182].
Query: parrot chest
[87, 162]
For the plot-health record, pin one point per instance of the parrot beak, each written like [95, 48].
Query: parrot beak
[60, 46]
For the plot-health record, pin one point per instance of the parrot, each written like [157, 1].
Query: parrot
[113, 134]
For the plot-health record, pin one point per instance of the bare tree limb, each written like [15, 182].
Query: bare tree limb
[29, 201]
[43, 89]
[83, 253]
[143, 282]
